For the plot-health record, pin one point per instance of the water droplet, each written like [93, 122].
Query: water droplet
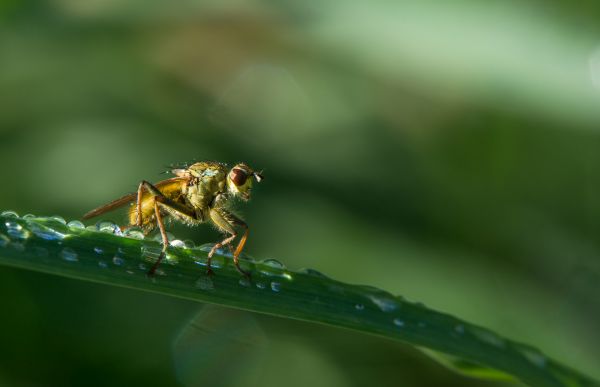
[207, 247]
[98, 250]
[200, 260]
[158, 237]
[59, 219]
[189, 244]
[102, 264]
[312, 272]
[9, 214]
[247, 257]
[217, 261]
[108, 227]
[68, 254]
[260, 285]
[76, 224]
[28, 216]
[205, 283]
[273, 268]
[245, 282]
[118, 258]
[398, 322]
[384, 301]
[177, 243]
[45, 232]
[488, 337]
[4, 241]
[460, 329]
[225, 251]
[15, 230]
[270, 262]
[359, 307]
[246, 266]
[134, 232]
[171, 259]
[534, 356]
[151, 252]
[275, 286]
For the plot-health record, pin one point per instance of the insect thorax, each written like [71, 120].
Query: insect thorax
[202, 192]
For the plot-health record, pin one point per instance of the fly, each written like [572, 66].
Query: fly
[199, 193]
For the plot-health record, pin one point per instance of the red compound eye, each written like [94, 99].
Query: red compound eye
[238, 176]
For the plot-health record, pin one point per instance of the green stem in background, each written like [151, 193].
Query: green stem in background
[98, 253]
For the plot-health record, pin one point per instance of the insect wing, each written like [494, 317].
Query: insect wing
[167, 187]
[110, 206]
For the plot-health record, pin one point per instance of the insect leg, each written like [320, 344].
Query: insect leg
[226, 222]
[165, 239]
[162, 199]
[140, 193]
[166, 203]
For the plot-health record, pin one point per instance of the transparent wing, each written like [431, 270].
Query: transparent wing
[166, 185]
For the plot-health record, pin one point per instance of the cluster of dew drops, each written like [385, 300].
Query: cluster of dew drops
[18, 234]
[272, 269]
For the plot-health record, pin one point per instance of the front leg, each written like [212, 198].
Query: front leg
[226, 222]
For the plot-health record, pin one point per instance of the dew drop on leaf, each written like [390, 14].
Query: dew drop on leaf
[134, 232]
[68, 254]
[270, 262]
[205, 283]
[488, 337]
[76, 224]
[59, 219]
[15, 230]
[44, 232]
[313, 273]
[107, 227]
[245, 282]
[398, 322]
[4, 240]
[534, 357]
[177, 243]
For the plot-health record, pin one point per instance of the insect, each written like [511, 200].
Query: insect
[200, 192]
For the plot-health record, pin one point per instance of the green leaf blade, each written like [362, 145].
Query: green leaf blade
[48, 245]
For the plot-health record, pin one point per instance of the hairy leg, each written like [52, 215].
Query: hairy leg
[226, 222]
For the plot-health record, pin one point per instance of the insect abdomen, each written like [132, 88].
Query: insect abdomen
[172, 191]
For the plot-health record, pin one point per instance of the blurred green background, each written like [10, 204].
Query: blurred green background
[445, 151]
